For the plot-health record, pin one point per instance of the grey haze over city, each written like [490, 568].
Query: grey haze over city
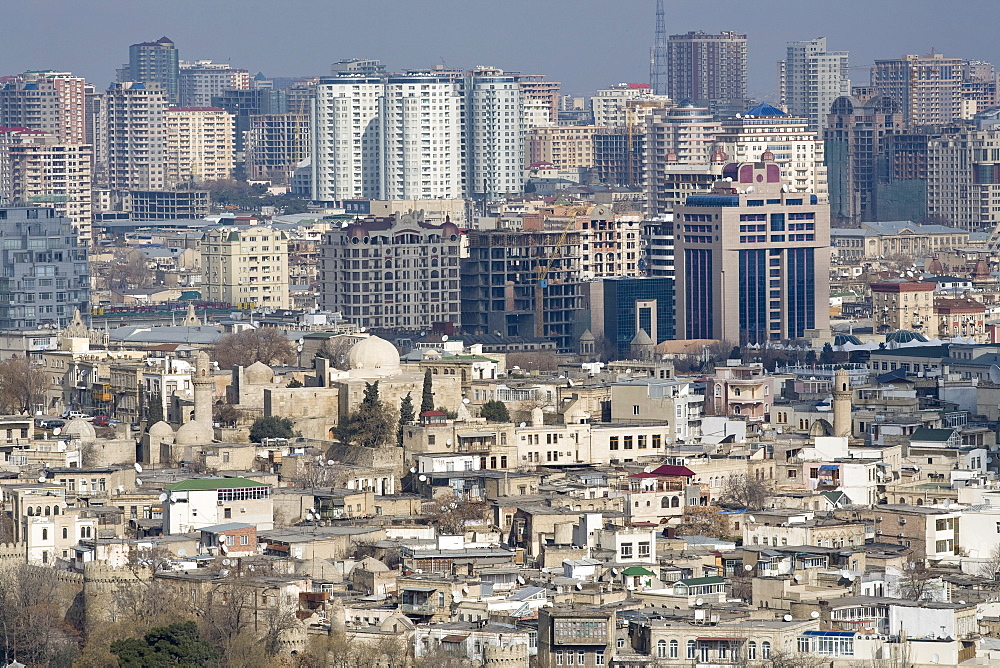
[586, 44]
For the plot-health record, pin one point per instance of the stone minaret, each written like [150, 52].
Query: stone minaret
[203, 389]
[842, 403]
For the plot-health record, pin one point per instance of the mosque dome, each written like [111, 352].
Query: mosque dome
[374, 355]
[80, 428]
[194, 433]
[160, 432]
[258, 373]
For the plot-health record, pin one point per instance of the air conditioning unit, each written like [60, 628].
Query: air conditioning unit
[219, 502]
[878, 532]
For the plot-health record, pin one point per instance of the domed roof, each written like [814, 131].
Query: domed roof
[258, 373]
[79, 427]
[374, 355]
[904, 336]
[160, 431]
[844, 339]
[194, 433]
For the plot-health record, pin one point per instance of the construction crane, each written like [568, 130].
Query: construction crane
[541, 282]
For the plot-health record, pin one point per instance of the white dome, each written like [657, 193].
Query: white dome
[81, 428]
[194, 433]
[374, 356]
[259, 373]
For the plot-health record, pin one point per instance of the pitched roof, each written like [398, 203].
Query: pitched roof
[637, 570]
[764, 109]
[925, 434]
[670, 469]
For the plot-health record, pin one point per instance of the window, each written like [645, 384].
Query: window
[621, 643]
[765, 650]
[227, 513]
[703, 651]
[570, 658]
[613, 443]
[559, 658]
[673, 649]
[244, 539]
[65, 533]
[644, 550]
[599, 659]
[45, 534]
[635, 410]
[626, 550]
[751, 650]
[691, 649]
[661, 649]
[581, 657]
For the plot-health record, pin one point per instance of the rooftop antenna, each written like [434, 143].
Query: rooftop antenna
[658, 54]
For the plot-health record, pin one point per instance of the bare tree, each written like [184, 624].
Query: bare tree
[336, 349]
[33, 626]
[265, 344]
[703, 521]
[916, 583]
[454, 520]
[539, 360]
[22, 385]
[128, 269]
[745, 491]
[887, 655]
[991, 566]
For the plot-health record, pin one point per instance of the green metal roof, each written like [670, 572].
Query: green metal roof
[201, 484]
[637, 570]
[710, 580]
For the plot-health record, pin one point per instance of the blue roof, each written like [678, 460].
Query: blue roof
[765, 109]
[834, 634]
[828, 467]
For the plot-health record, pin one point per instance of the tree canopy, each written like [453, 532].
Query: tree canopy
[22, 385]
[427, 397]
[174, 645]
[495, 411]
[271, 426]
[373, 424]
[264, 344]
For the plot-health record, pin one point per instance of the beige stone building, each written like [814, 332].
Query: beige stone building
[570, 146]
[246, 265]
[199, 145]
[901, 304]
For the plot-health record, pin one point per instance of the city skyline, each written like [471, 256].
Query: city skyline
[525, 37]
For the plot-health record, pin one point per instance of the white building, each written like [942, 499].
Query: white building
[610, 105]
[494, 133]
[200, 145]
[203, 502]
[131, 134]
[201, 80]
[811, 78]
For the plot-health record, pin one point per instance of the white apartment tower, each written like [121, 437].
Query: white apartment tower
[199, 145]
[202, 80]
[347, 138]
[132, 141]
[422, 137]
[811, 78]
[494, 133]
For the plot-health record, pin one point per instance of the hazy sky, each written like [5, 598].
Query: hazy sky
[586, 44]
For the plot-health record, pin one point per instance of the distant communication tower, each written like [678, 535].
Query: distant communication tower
[658, 54]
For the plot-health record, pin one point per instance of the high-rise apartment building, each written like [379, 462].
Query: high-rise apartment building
[704, 68]
[540, 93]
[625, 103]
[245, 266]
[37, 168]
[132, 137]
[245, 104]
[48, 275]
[963, 179]
[494, 134]
[423, 132]
[612, 243]
[360, 67]
[752, 259]
[154, 62]
[796, 150]
[565, 147]
[202, 80]
[928, 88]
[53, 102]
[199, 145]
[854, 141]
[275, 144]
[679, 155]
[811, 78]
[398, 272]
[347, 138]
[418, 135]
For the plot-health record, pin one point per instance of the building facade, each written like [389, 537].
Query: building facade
[703, 67]
[393, 273]
[752, 259]
[199, 145]
[48, 274]
[902, 304]
[131, 145]
[201, 80]
[53, 102]
[155, 62]
[275, 144]
[928, 88]
[811, 78]
[246, 265]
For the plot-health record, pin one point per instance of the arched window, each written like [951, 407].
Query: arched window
[665, 502]
[675, 502]
[691, 647]
[751, 650]
[65, 533]
[765, 650]
[661, 649]
[45, 534]
[31, 511]
[38, 510]
[920, 502]
[48, 510]
[736, 391]
[55, 510]
[673, 649]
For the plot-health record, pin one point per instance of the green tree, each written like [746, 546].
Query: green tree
[271, 426]
[174, 645]
[154, 408]
[495, 411]
[826, 355]
[294, 382]
[406, 415]
[372, 425]
[427, 398]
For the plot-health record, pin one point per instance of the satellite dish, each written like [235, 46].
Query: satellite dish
[465, 590]
[330, 462]
[579, 586]
[752, 518]
[814, 614]
[138, 467]
[121, 488]
[524, 424]
[444, 338]
[225, 562]
[750, 189]
[699, 601]
[250, 568]
[614, 571]
[57, 431]
[788, 618]
[798, 577]
[456, 596]
[748, 567]
[520, 579]
[321, 462]
[413, 469]
[465, 400]
[224, 572]
[995, 374]
[422, 478]
[182, 552]
[41, 478]
[162, 497]
[448, 442]
[138, 482]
